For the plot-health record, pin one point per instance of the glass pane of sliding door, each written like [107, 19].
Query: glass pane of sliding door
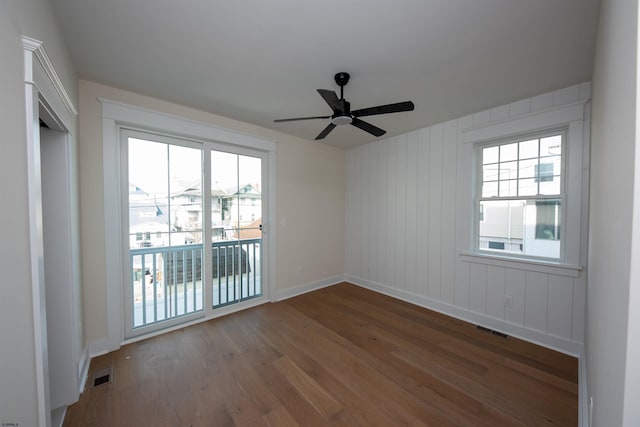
[236, 219]
[165, 227]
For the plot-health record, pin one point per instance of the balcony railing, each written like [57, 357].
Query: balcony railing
[166, 281]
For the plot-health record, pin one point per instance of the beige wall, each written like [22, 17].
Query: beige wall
[309, 201]
[611, 233]
[33, 18]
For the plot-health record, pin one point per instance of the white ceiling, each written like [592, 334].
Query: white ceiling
[259, 60]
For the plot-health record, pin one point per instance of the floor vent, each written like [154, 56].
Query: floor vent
[500, 334]
[103, 376]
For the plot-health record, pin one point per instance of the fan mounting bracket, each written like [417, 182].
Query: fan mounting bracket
[341, 79]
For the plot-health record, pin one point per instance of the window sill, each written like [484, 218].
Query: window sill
[548, 267]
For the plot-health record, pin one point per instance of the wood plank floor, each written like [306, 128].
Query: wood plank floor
[342, 356]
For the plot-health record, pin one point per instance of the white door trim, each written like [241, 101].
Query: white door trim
[43, 88]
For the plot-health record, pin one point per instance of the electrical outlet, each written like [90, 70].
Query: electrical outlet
[508, 301]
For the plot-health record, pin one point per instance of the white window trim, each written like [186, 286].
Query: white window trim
[527, 264]
[573, 118]
[117, 115]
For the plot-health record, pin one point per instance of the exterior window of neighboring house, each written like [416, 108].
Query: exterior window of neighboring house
[520, 195]
[147, 236]
[496, 245]
[548, 220]
[138, 236]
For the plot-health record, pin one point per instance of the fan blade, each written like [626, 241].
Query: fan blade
[332, 99]
[326, 131]
[368, 127]
[384, 109]
[301, 118]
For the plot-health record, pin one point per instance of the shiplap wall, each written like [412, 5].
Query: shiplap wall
[409, 227]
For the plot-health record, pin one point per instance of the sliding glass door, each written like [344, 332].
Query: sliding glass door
[194, 229]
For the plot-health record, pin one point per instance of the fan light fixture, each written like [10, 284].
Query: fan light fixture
[341, 120]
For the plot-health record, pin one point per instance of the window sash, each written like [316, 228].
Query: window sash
[507, 178]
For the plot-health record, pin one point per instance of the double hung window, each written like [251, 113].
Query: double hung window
[520, 196]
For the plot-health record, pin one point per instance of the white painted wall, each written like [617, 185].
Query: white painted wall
[33, 18]
[309, 203]
[612, 336]
[409, 214]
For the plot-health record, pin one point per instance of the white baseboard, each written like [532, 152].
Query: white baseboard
[555, 343]
[83, 370]
[98, 348]
[583, 392]
[57, 416]
[307, 287]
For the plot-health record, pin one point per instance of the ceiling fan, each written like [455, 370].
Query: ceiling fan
[342, 114]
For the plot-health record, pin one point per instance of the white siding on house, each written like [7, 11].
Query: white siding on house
[410, 221]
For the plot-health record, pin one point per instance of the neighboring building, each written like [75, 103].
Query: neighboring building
[502, 226]
[154, 221]
[242, 207]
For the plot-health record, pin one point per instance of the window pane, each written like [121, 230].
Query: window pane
[509, 152]
[503, 226]
[490, 173]
[557, 164]
[490, 155]
[490, 189]
[508, 170]
[550, 187]
[527, 168]
[250, 197]
[185, 170]
[148, 190]
[528, 149]
[527, 187]
[224, 183]
[524, 227]
[509, 188]
[551, 146]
